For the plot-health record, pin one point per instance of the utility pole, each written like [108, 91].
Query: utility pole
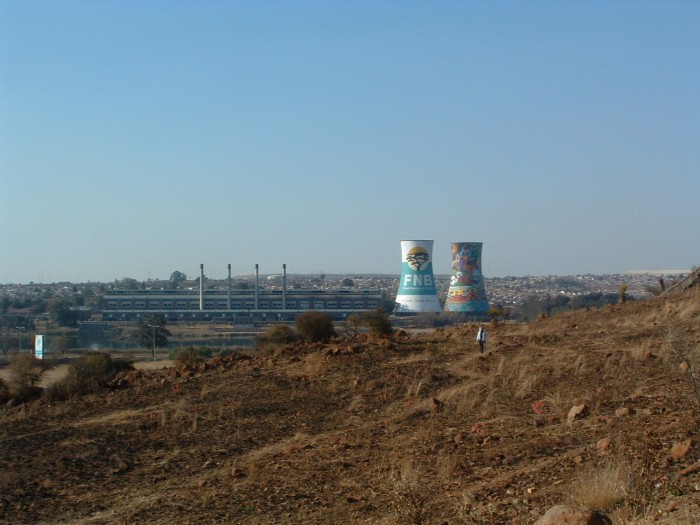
[20, 329]
[153, 338]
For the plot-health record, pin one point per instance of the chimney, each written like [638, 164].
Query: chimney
[201, 287]
[257, 275]
[229, 286]
[284, 287]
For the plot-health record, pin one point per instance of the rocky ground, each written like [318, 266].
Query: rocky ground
[592, 408]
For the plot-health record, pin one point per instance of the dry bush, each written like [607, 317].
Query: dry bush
[275, 336]
[412, 499]
[490, 405]
[680, 517]
[641, 352]
[625, 491]
[4, 391]
[604, 489]
[315, 326]
[189, 356]
[530, 382]
[25, 372]
[379, 323]
[87, 374]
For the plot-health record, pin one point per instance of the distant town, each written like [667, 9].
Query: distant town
[507, 291]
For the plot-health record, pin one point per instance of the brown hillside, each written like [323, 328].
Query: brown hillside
[420, 429]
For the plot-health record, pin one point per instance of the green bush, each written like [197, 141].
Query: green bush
[315, 326]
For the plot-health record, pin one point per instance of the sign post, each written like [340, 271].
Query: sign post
[39, 346]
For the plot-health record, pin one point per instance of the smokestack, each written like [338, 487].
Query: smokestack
[284, 287]
[201, 287]
[229, 286]
[257, 275]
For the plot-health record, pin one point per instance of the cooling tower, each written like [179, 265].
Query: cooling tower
[417, 291]
[467, 292]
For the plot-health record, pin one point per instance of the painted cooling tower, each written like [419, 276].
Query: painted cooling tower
[417, 291]
[467, 292]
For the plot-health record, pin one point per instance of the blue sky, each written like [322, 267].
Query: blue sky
[138, 138]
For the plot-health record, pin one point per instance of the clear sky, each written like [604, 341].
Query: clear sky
[142, 137]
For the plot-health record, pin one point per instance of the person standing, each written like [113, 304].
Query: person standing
[481, 339]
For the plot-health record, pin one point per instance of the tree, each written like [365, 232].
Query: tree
[495, 312]
[352, 325]
[62, 343]
[378, 322]
[177, 278]
[150, 325]
[315, 326]
[348, 283]
[62, 314]
[623, 292]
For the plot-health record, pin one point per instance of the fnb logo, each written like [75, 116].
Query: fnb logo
[418, 258]
[417, 280]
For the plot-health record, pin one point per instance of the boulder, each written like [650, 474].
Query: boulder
[567, 515]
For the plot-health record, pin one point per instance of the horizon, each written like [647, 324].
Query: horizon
[133, 135]
[397, 275]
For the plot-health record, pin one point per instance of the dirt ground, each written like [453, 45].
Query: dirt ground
[595, 408]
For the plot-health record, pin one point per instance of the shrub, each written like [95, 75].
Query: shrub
[379, 323]
[4, 391]
[315, 326]
[86, 374]
[62, 343]
[281, 334]
[352, 325]
[189, 355]
[224, 352]
[25, 372]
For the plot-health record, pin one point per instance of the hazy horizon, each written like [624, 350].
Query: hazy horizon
[140, 138]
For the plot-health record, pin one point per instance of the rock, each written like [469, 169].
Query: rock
[577, 412]
[603, 444]
[622, 411]
[679, 450]
[566, 515]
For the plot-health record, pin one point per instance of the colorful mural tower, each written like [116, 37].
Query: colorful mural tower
[417, 292]
[467, 292]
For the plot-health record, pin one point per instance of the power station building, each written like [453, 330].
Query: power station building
[239, 305]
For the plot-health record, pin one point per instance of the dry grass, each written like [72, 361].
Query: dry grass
[411, 497]
[313, 364]
[603, 489]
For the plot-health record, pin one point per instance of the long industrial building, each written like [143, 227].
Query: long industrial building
[239, 305]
